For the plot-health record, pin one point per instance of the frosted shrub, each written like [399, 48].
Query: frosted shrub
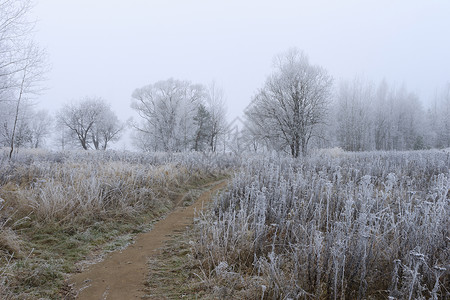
[353, 226]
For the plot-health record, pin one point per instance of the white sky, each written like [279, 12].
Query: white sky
[107, 48]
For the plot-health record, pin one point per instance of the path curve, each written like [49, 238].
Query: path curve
[122, 274]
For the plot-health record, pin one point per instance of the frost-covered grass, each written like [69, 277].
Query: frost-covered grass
[83, 187]
[57, 207]
[348, 226]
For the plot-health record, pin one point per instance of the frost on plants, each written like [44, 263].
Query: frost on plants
[63, 205]
[353, 226]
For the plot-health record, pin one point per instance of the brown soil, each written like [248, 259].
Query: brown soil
[122, 274]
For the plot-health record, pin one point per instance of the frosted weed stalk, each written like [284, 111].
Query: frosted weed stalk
[337, 227]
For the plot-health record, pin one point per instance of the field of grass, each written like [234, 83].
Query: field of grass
[330, 226]
[60, 209]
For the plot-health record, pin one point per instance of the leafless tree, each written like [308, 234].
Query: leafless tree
[168, 109]
[216, 106]
[385, 118]
[354, 115]
[22, 63]
[14, 33]
[106, 129]
[30, 74]
[40, 128]
[443, 117]
[292, 103]
[91, 122]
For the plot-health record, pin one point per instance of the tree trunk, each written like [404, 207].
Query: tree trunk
[17, 112]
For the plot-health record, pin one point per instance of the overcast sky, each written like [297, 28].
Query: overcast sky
[108, 48]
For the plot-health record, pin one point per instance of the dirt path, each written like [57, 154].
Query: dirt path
[122, 274]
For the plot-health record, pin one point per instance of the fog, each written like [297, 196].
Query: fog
[109, 48]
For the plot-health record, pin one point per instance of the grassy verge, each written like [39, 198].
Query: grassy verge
[171, 272]
[177, 272]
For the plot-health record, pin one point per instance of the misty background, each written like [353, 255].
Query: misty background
[109, 48]
[103, 68]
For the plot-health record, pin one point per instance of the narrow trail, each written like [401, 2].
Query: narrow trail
[121, 275]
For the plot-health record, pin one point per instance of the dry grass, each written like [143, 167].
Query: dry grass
[352, 226]
[57, 208]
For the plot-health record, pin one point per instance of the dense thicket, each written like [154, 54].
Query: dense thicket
[384, 117]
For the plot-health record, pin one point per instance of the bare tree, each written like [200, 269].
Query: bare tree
[22, 63]
[30, 74]
[438, 119]
[216, 106]
[8, 118]
[167, 108]
[354, 111]
[14, 33]
[398, 119]
[106, 129]
[381, 120]
[40, 127]
[443, 117]
[292, 103]
[91, 122]
[386, 118]
[21, 133]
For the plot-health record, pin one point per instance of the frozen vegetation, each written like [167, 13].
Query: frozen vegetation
[331, 225]
[335, 225]
[60, 187]
[56, 208]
